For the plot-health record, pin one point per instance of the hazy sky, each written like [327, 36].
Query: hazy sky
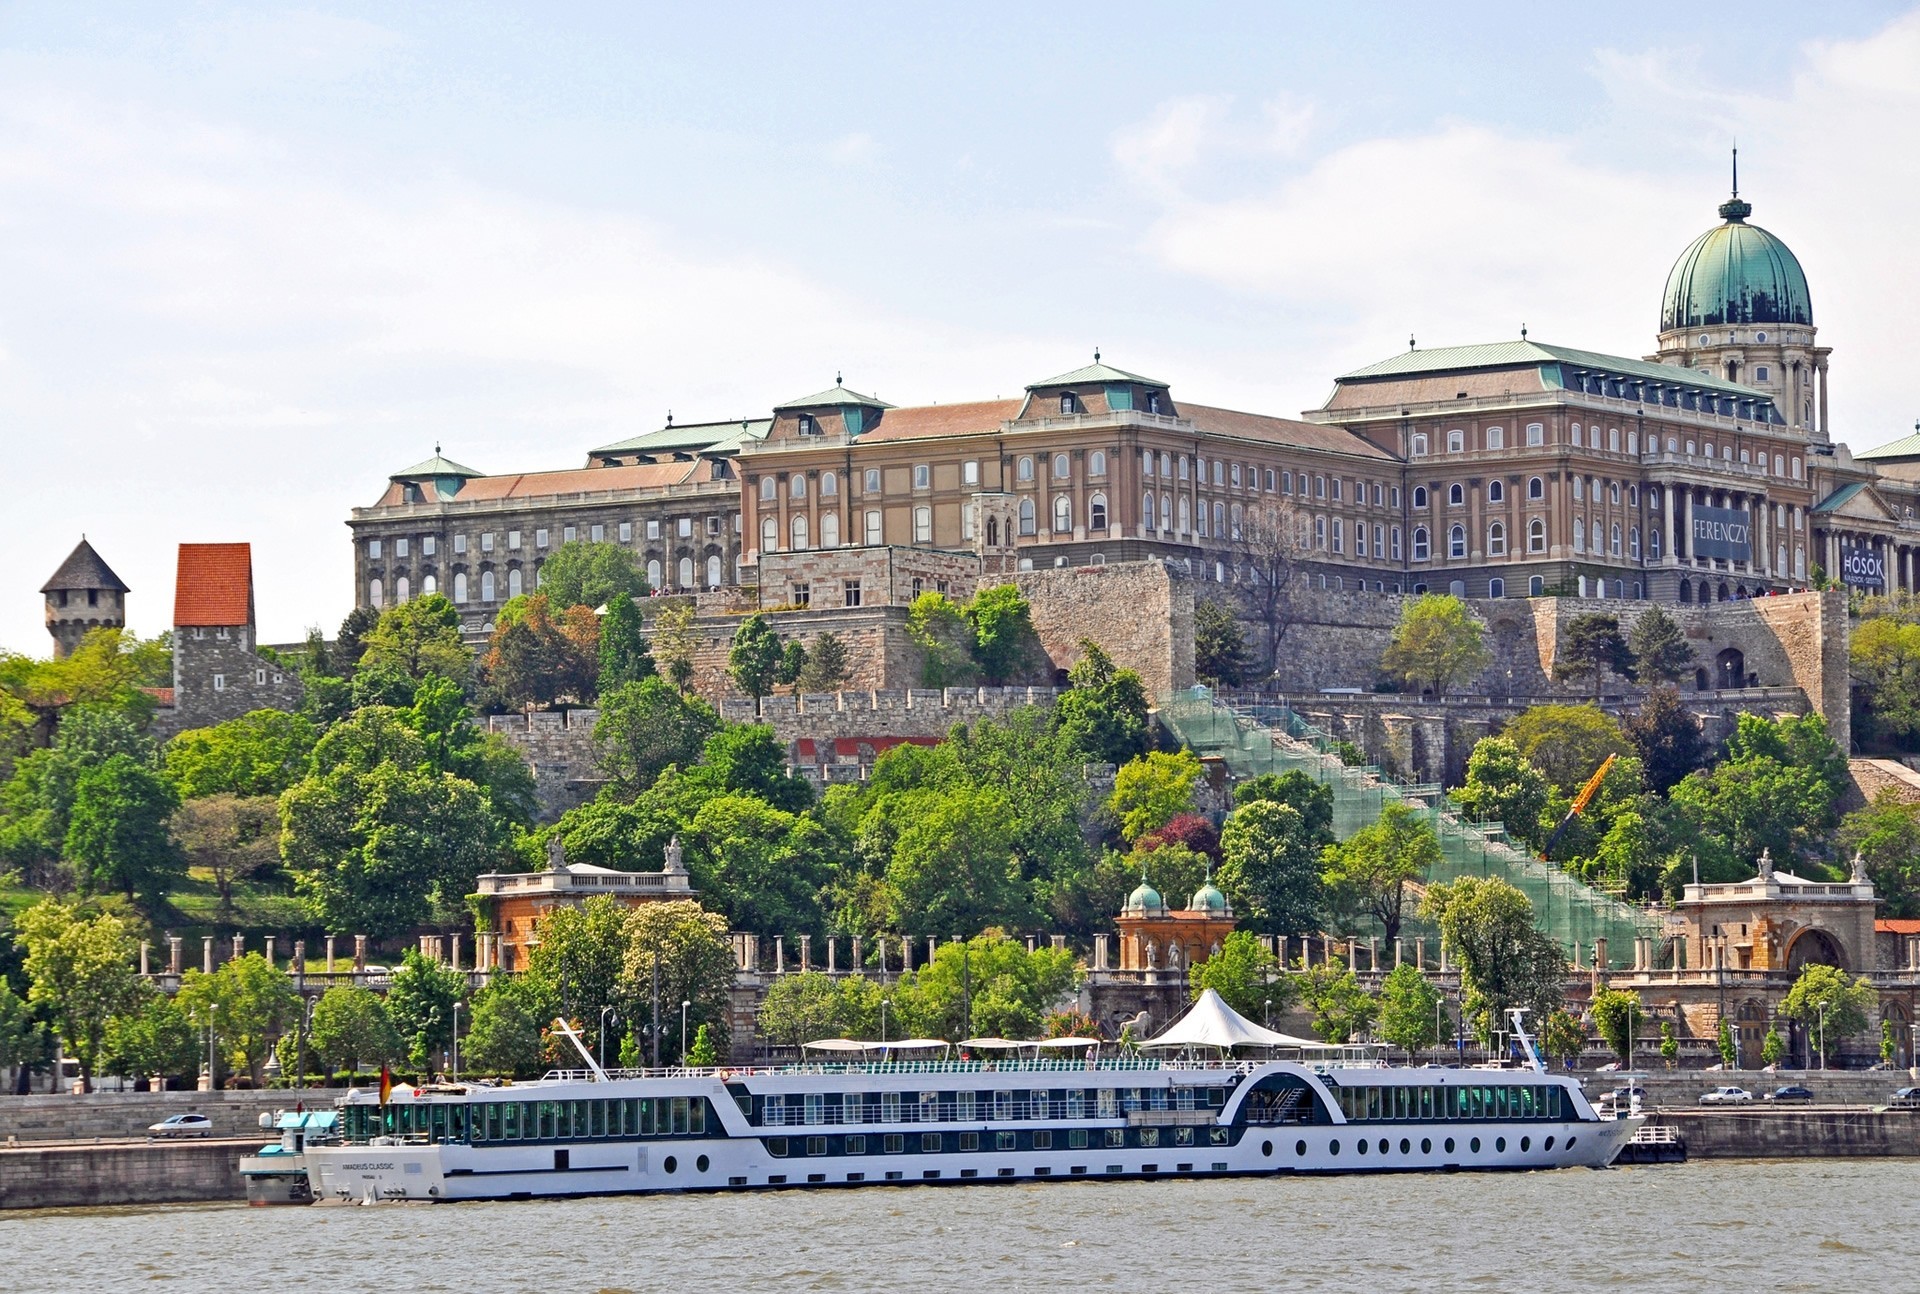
[253, 259]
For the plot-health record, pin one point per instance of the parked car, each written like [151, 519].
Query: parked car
[182, 1125]
[1790, 1093]
[1726, 1096]
[1906, 1098]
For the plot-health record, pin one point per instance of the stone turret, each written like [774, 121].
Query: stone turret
[83, 595]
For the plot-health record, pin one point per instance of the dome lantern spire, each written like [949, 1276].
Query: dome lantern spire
[1734, 211]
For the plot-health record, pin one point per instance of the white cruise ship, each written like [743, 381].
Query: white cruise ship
[888, 1120]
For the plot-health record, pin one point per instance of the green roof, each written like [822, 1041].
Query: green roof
[1096, 372]
[1905, 447]
[1833, 501]
[831, 397]
[1515, 354]
[435, 466]
[1735, 273]
[722, 437]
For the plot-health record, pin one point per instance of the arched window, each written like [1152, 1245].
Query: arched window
[1068, 405]
[1536, 488]
[1496, 491]
[713, 570]
[1580, 488]
[1573, 433]
[1613, 440]
[1613, 545]
[1457, 542]
[1579, 535]
[1062, 513]
[1456, 495]
[1419, 447]
[1359, 538]
[376, 593]
[686, 572]
[1420, 551]
[768, 486]
[1219, 472]
[1496, 438]
[1396, 543]
[829, 485]
[1060, 468]
[770, 534]
[653, 572]
[1496, 588]
[993, 532]
[1536, 434]
[1779, 465]
[1456, 441]
[1799, 562]
[1496, 540]
[486, 586]
[1219, 520]
[516, 584]
[459, 586]
[1234, 516]
[923, 525]
[1146, 510]
[829, 530]
[1097, 512]
[1537, 536]
[1419, 496]
[401, 590]
[1633, 543]
[1653, 544]
[428, 586]
[797, 485]
[1146, 462]
[1166, 512]
[1780, 558]
[1024, 469]
[1097, 463]
[798, 537]
[1286, 482]
[1026, 517]
[1186, 515]
[1235, 475]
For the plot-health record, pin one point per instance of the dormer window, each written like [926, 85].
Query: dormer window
[1153, 402]
[1068, 404]
[808, 426]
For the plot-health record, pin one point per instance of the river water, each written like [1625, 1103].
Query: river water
[1777, 1225]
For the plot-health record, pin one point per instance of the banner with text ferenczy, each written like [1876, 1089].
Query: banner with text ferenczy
[1725, 533]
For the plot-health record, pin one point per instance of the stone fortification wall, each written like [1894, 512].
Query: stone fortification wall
[1872, 776]
[879, 652]
[1140, 612]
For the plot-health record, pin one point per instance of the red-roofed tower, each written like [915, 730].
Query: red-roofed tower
[217, 672]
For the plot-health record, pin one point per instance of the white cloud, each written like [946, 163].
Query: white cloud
[856, 149]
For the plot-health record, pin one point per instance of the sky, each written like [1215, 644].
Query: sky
[253, 259]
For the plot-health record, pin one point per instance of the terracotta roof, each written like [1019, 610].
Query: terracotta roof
[924, 422]
[83, 569]
[214, 585]
[572, 480]
[1281, 431]
[1896, 926]
[162, 695]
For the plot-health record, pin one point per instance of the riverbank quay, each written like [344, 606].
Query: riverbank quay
[126, 1115]
[52, 1175]
[1681, 1088]
[1798, 1132]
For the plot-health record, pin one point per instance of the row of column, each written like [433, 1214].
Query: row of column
[440, 948]
[1774, 555]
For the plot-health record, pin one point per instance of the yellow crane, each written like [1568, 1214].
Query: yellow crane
[1580, 803]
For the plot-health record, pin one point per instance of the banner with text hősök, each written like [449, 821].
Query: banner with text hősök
[1862, 567]
[1725, 533]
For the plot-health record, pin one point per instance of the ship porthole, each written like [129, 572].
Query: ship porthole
[1500, 1144]
[702, 1163]
[1449, 1145]
[1362, 1147]
[1300, 1148]
[1548, 1145]
[1474, 1145]
[1572, 1142]
[1333, 1147]
[1383, 1145]
[1406, 1147]
[1526, 1144]
[1266, 1148]
[1426, 1145]
[670, 1163]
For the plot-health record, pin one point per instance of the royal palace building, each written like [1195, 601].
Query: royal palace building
[1705, 471]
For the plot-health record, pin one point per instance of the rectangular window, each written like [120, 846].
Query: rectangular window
[963, 1107]
[1077, 1139]
[893, 1143]
[969, 1141]
[219, 682]
[856, 1145]
[459, 543]
[1336, 489]
[428, 546]
[1116, 1137]
[683, 526]
[873, 480]
[929, 1143]
[1339, 532]
[922, 476]
[568, 534]
[400, 548]
[970, 472]
[816, 1145]
[539, 539]
[626, 532]
[1006, 1141]
[890, 1107]
[803, 597]
[598, 534]
[850, 593]
[1043, 1140]
[653, 528]
[373, 548]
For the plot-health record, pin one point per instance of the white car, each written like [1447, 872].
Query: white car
[1727, 1096]
[182, 1125]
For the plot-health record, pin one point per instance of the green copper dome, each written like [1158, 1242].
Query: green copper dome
[1208, 898]
[1145, 899]
[1736, 273]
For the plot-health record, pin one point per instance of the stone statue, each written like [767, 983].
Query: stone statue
[1173, 957]
[674, 865]
[1150, 955]
[556, 853]
[1859, 868]
[1764, 868]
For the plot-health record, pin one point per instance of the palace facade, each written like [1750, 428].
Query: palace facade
[1703, 472]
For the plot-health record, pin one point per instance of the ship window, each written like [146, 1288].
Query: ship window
[856, 1145]
[1077, 1139]
[963, 1106]
[969, 1141]
[777, 1147]
[893, 1143]
[816, 1105]
[1037, 1105]
[1006, 1141]
[929, 1143]
[850, 1108]
[815, 1145]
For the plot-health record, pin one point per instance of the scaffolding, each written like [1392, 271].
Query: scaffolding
[1264, 736]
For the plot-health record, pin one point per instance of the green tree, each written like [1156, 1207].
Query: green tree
[1271, 866]
[586, 574]
[1659, 646]
[793, 663]
[1666, 737]
[1773, 1048]
[420, 1005]
[1888, 1044]
[940, 629]
[1593, 648]
[1371, 872]
[231, 836]
[747, 758]
[537, 658]
[1342, 1009]
[1628, 859]
[988, 985]
[696, 966]
[644, 727]
[1219, 644]
[419, 637]
[674, 642]
[1729, 1050]
[1884, 653]
[1567, 743]
[754, 658]
[1104, 710]
[705, 1052]
[505, 1037]
[1886, 836]
[827, 667]
[1245, 975]
[350, 644]
[1503, 786]
[351, 1031]
[1005, 645]
[1619, 1019]
[803, 1008]
[582, 956]
[1670, 1044]
[1827, 1001]
[1151, 791]
[1312, 800]
[250, 1003]
[80, 974]
[1410, 1015]
[952, 866]
[761, 866]
[1486, 926]
[1437, 642]
[153, 1039]
[623, 647]
[1776, 791]
[117, 834]
[1563, 1039]
[260, 753]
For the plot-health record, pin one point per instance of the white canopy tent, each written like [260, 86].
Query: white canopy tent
[1210, 1022]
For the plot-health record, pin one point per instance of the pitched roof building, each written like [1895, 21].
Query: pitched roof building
[83, 595]
[218, 672]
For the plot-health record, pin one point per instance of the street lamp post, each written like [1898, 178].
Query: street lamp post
[885, 1002]
[455, 1066]
[1267, 1018]
[213, 1079]
[683, 1032]
[1823, 1035]
[601, 1055]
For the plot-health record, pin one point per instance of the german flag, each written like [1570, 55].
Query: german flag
[386, 1085]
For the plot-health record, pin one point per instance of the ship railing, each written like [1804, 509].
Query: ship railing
[829, 1113]
[1120, 1064]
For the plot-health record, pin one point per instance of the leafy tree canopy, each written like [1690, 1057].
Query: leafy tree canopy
[261, 753]
[117, 834]
[644, 727]
[1487, 927]
[1829, 993]
[1220, 648]
[417, 638]
[941, 630]
[1666, 737]
[1659, 647]
[753, 662]
[1411, 1017]
[583, 573]
[249, 1002]
[1437, 643]
[1502, 786]
[1104, 711]
[80, 974]
[1567, 743]
[1151, 791]
[1369, 874]
[1246, 976]
[1005, 646]
[1270, 869]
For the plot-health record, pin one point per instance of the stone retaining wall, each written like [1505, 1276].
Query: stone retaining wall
[127, 1114]
[46, 1177]
[1794, 1132]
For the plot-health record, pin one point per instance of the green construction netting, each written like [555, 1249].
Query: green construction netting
[1257, 738]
